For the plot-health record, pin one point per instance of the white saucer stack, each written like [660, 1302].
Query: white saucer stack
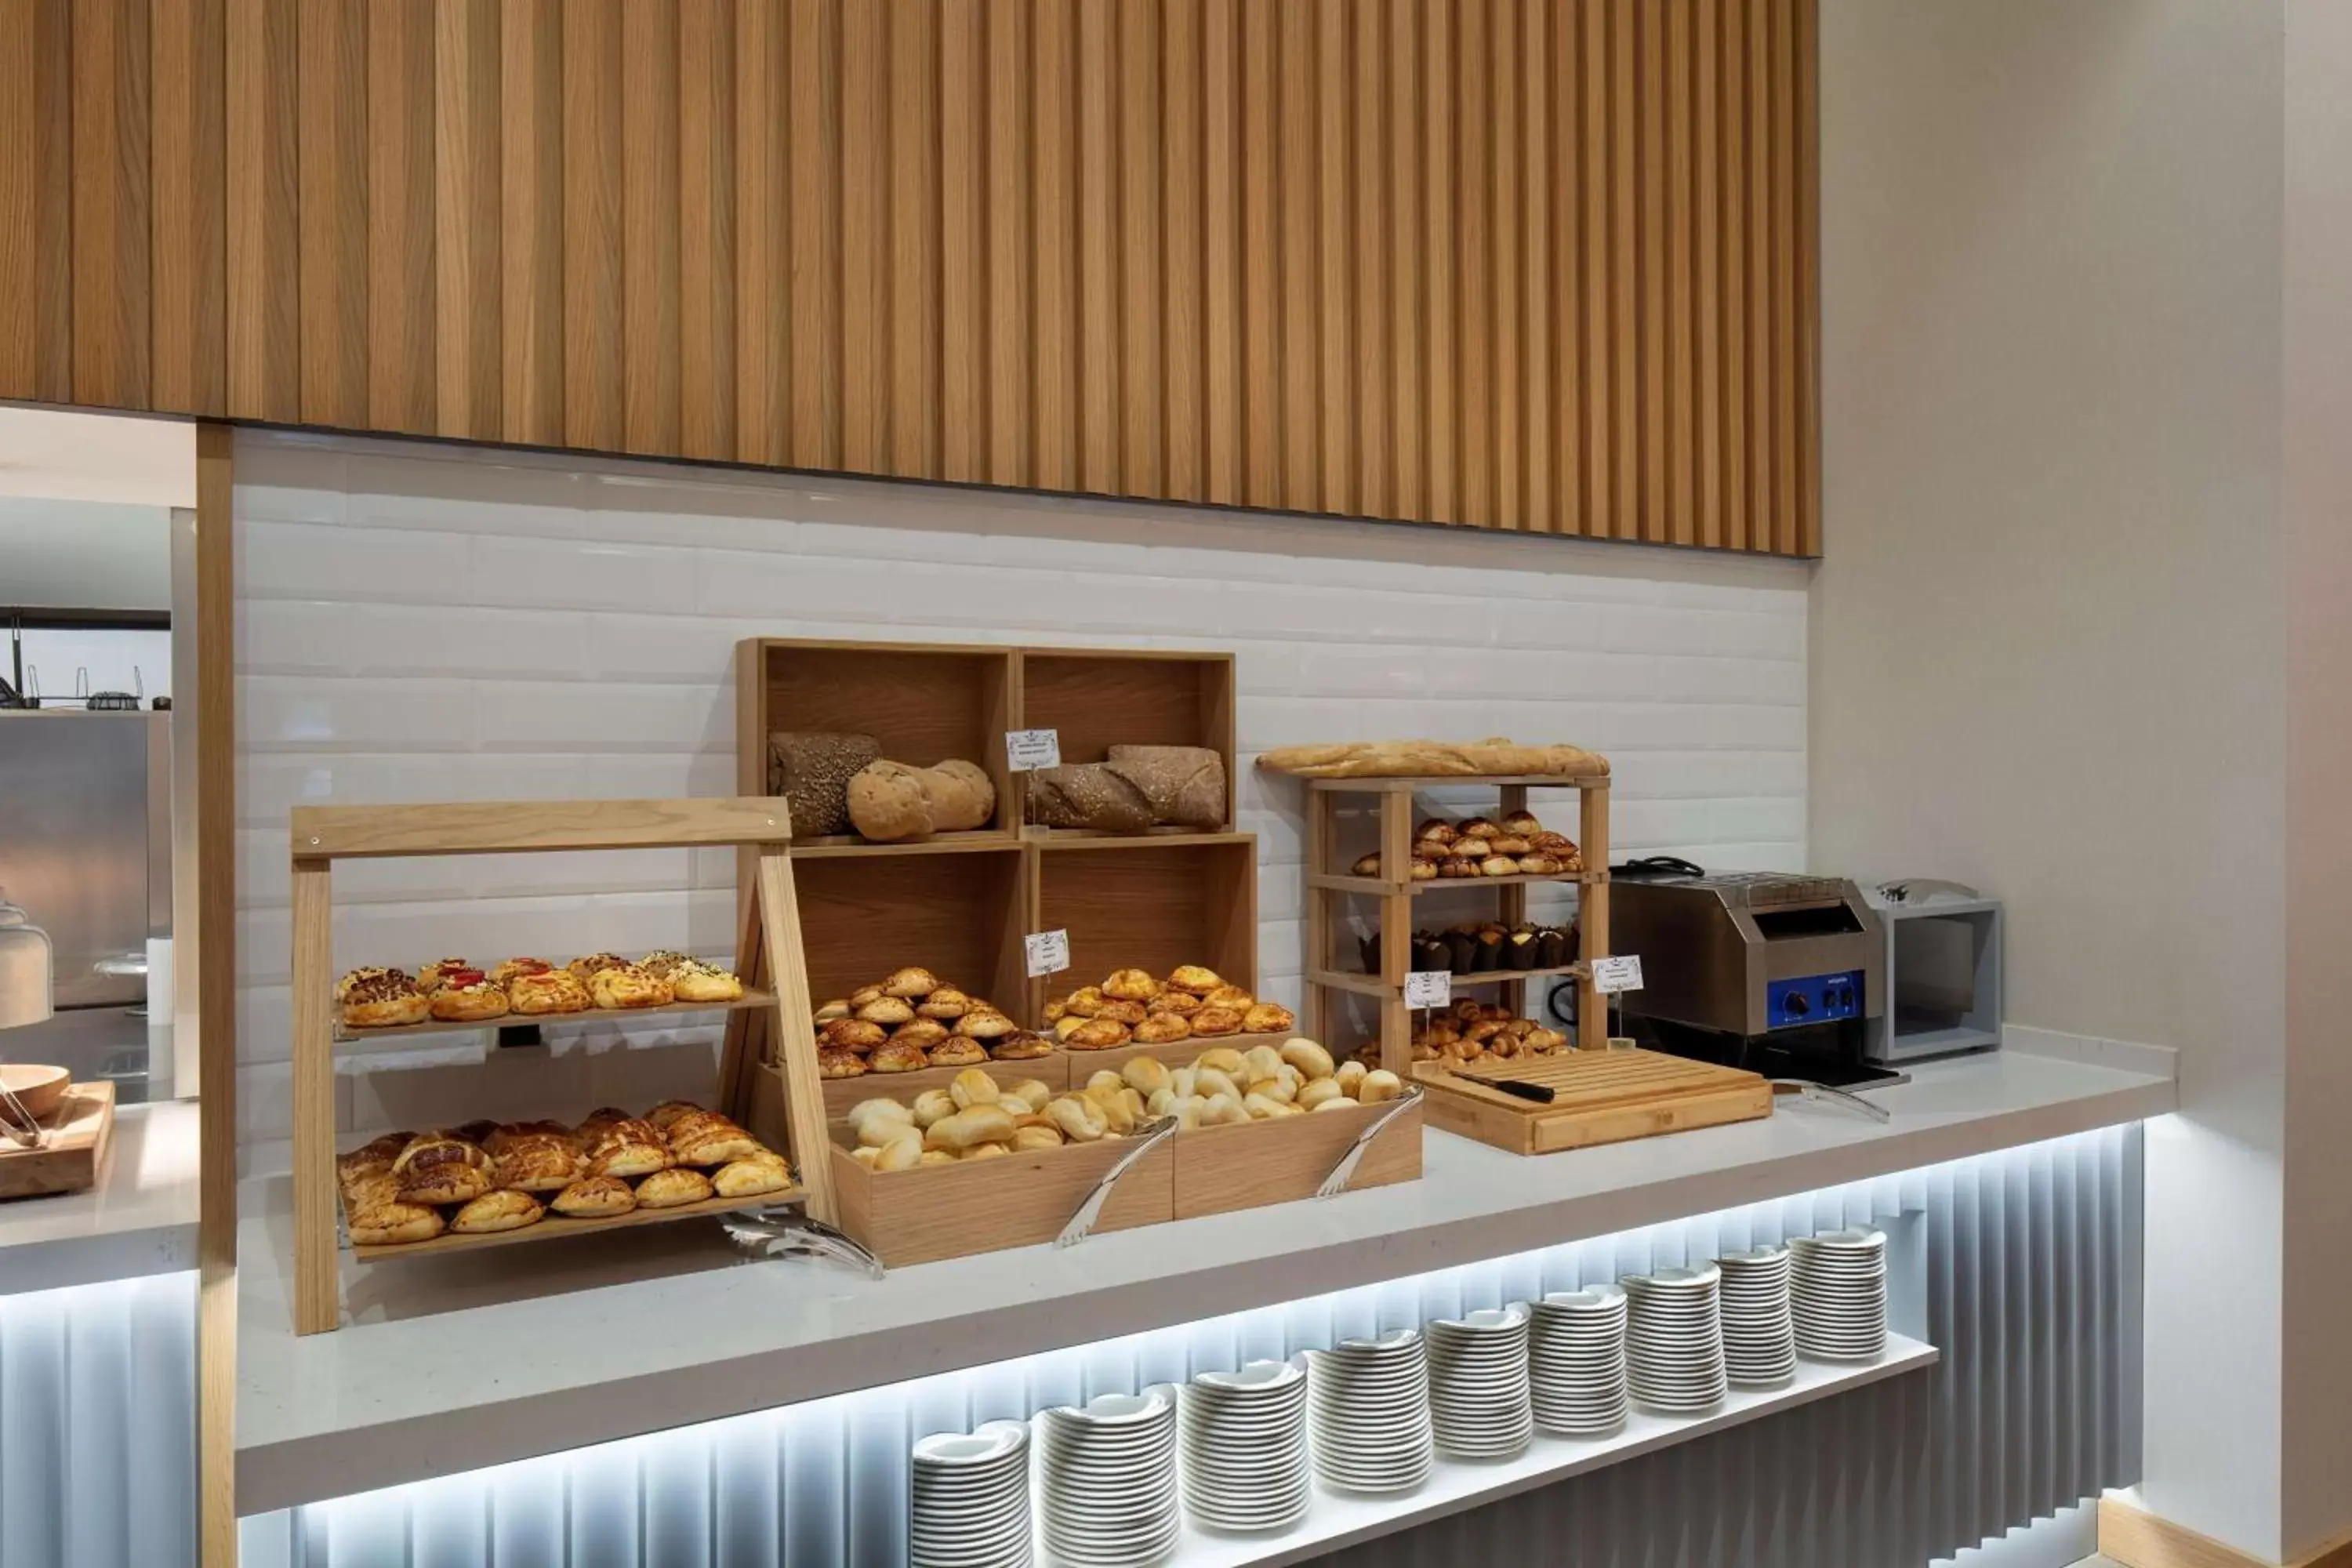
[1759, 1338]
[1838, 1295]
[1478, 1407]
[1368, 1413]
[1576, 1361]
[1673, 1340]
[1243, 1442]
[968, 1498]
[1106, 1478]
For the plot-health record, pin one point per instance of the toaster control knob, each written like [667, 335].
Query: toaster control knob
[1798, 1007]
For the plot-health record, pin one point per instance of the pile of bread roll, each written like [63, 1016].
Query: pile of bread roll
[1519, 846]
[911, 1020]
[1131, 1007]
[453, 991]
[1467, 1033]
[1225, 1086]
[491, 1176]
[975, 1117]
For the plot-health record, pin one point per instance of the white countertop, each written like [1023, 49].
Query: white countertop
[140, 1219]
[541, 1348]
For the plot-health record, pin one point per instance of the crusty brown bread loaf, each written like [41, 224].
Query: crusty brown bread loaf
[1185, 785]
[811, 769]
[1432, 759]
[1088, 796]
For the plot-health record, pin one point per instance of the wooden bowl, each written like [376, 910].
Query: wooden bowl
[39, 1088]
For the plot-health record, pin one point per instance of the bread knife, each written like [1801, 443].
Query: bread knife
[1147, 1137]
[1344, 1170]
[1517, 1087]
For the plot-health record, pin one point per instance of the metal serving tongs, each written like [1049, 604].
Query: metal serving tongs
[16, 1121]
[1148, 1137]
[1822, 1094]
[786, 1232]
[1344, 1170]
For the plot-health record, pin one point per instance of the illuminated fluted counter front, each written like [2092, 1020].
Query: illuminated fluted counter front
[140, 1219]
[449, 1365]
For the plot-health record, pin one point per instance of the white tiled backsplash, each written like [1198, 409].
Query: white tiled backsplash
[422, 623]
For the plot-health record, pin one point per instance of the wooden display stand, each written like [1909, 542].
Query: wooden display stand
[1598, 1097]
[791, 1113]
[1328, 879]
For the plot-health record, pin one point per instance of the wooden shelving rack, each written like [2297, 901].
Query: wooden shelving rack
[1392, 806]
[770, 952]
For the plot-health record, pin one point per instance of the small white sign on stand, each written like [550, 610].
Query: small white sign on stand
[1048, 951]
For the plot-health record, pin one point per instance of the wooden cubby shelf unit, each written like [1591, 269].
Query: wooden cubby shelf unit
[1392, 807]
[790, 1114]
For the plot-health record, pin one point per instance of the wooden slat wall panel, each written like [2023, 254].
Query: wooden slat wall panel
[1539, 265]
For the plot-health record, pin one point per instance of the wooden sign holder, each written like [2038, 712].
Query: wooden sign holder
[770, 950]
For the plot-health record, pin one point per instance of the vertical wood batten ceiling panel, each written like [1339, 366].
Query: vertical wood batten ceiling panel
[1437, 184]
[1261, 274]
[1301, 427]
[532, 228]
[1534, 278]
[765, 186]
[594, 412]
[1368, 242]
[863, 150]
[1473, 407]
[1097, 238]
[1008, 329]
[1220, 239]
[189, 258]
[1732, 51]
[466, 236]
[1181, 149]
[332, 209]
[1651, 176]
[399, 203]
[36, 200]
[1141, 305]
[1600, 340]
[1054, 195]
[1503, 312]
[813, 215]
[262, 194]
[964, 245]
[1809, 277]
[113, 335]
[1407, 413]
[707, 58]
[650, 320]
[912, 313]
[1335, 84]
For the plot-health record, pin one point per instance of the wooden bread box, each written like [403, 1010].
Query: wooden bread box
[1250, 1164]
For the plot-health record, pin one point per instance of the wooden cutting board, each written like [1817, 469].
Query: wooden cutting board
[73, 1148]
[1598, 1097]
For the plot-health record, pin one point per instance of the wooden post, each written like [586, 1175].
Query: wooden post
[317, 1298]
[1514, 797]
[780, 927]
[1319, 955]
[1593, 916]
[1396, 928]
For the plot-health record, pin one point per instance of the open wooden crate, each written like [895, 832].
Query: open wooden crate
[791, 1116]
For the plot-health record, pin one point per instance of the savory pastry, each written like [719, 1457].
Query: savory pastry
[1468, 847]
[887, 1011]
[629, 1149]
[1131, 985]
[538, 1164]
[1228, 997]
[509, 972]
[445, 1181]
[694, 980]
[1161, 1028]
[598, 1122]
[1020, 1045]
[836, 1061]
[895, 1058]
[1172, 1001]
[393, 1223]
[374, 1158]
[921, 1032]
[629, 986]
[1128, 1013]
[1191, 977]
[382, 1000]
[910, 983]
[671, 1188]
[1425, 871]
[956, 1053]
[751, 1178]
[1498, 865]
[1096, 1034]
[670, 1112]
[498, 1211]
[1434, 830]
[466, 996]
[1550, 843]
[662, 962]
[360, 976]
[1069, 1024]
[710, 1139]
[430, 978]
[1085, 1001]
[1457, 866]
[986, 1025]
[862, 996]
[594, 964]
[947, 1002]
[595, 1197]
[836, 1009]
[1366, 866]
[477, 1133]
[1215, 1020]
[555, 992]
[852, 1035]
[1476, 827]
[1512, 845]
[1540, 866]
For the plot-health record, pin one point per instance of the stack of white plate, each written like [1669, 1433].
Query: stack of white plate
[1244, 1441]
[1673, 1340]
[1478, 1407]
[968, 1503]
[1838, 1295]
[1576, 1361]
[1759, 1341]
[1368, 1413]
[1106, 1478]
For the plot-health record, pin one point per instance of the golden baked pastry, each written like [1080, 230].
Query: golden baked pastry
[554, 990]
[1498, 865]
[1476, 827]
[1228, 997]
[1548, 843]
[448, 1180]
[862, 996]
[669, 1112]
[697, 982]
[498, 1211]
[466, 996]
[1269, 1018]
[1193, 977]
[1096, 1034]
[672, 1188]
[1434, 829]
[920, 1032]
[431, 977]
[366, 1192]
[1540, 866]
[372, 1158]
[956, 1053]
[946, 1002]
[591, 964]
[382, 1000]
[1028, 1140]
[356, 978]
[513, 969]
[542, 1164]
[1128, 1013]
[749, 1178]
[1365, 866]
[1213, 1020]
[852, 1035]
[986, 1025]
[1020, 1045]
[1432, 849]
[1069, 1024]
[629, 986]
[887, 1010]
[836, 1009]
[838, 1061]
[1424, 870]
[599, 1121]
[477, 1133]
[1457, 866]
[1056, 1010]
[706, 1138]
[393, 1223]
[910, 983]
[1512, 845]
[1472, 848]
[895, 1058]
[595, 1197]
[1084, 1001]
[662, 962]
[1172, 1001]
[1162, 1029]
[1131, 985]
[1522, 823]
[631, 1148]
[988, 1124]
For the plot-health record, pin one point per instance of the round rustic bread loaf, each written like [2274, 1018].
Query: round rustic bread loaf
[960, 794]
[886, 802]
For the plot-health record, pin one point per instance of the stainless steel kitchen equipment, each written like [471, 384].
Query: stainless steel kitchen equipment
[1776, 971]
[1943, 970]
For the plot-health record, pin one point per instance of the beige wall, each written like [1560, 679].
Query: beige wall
[2048, 648]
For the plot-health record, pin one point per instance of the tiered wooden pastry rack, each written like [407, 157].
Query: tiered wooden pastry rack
[785, 1109]
[1393, 808]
